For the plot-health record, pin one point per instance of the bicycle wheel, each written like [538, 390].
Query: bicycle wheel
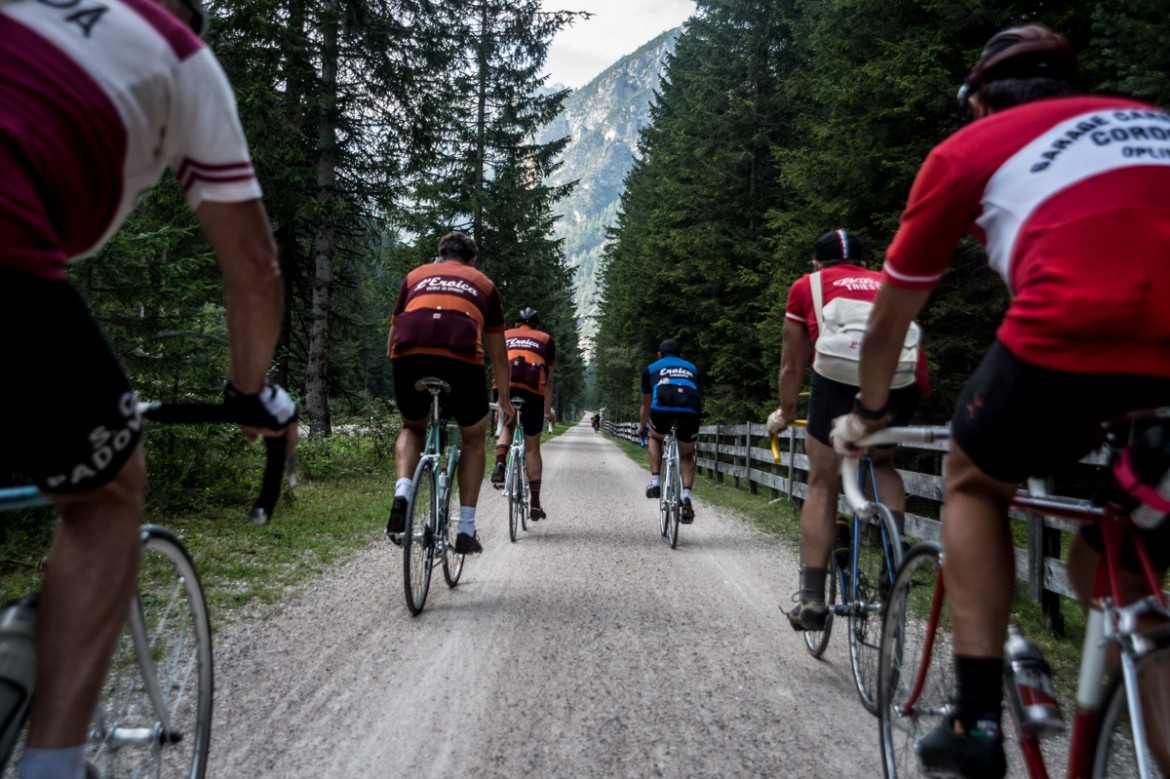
[664, 498]
[513, 486]
[418, 542]
[154, 714]
[914, 661]
[816, 640]
[524, 497]
[1115, 750]
[452, 560]
[675, 498]
[877, 552]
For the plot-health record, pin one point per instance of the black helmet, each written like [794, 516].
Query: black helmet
[528, 316]
[1021, 52]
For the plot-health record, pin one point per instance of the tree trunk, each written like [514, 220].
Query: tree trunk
[317, 380]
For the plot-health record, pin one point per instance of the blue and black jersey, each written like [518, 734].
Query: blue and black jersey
[674, 384]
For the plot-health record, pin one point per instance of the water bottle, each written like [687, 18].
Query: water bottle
[18, 668]
[1029, 684]
[442, 488]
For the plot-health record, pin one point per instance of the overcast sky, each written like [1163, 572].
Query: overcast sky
[617, 28]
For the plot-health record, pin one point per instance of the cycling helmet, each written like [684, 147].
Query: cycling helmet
[198, 15]
[528, 316]
[1032, 51]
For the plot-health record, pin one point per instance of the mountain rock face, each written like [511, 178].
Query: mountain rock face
[603, 120]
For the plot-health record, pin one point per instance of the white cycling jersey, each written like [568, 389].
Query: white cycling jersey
[97, 97]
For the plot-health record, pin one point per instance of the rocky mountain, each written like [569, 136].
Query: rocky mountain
[603, 120]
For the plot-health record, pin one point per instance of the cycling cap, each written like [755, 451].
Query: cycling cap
[670, 347]
[1033, 51]
[529, 316]
[839, 246]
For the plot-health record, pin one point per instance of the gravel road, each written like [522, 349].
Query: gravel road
[588, 648]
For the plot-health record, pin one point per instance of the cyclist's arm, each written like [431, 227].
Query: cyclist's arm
[644, 412]
[795, 354]
[548, 395]
[497, 351]
[893, 311]
[242, 241]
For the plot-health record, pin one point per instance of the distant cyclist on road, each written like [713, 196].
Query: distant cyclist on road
[1068, 195]
[95, 103]
[445, 313]
[670, 393]
[839, 282]
[532, 355]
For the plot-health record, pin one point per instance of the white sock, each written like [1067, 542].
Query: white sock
[686, 493]
[654, 478]
[467, 520]
[402, 487]
[67, 763]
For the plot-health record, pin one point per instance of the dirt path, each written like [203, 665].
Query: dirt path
[587, 649]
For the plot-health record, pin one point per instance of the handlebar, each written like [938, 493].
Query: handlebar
[194, 413]
[775, 440]
[914, 434]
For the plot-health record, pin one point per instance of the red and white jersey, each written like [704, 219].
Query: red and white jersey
[97, 97]
[1069, 198]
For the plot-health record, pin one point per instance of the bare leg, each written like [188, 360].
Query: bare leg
[977, 544]
[471, 462]
[893, 492]
[532, 458]
[818, 515]
[686, 457]
[89, 578]
[408, 448]
[654, 451]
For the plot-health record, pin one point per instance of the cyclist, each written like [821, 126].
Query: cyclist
[445, 314]
[1067, 194]
[839, 273]
[84, 131]
[532, 355]
[670, 394]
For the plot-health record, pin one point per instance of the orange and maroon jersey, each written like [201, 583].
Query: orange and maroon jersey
[444, 309]
[531, 353]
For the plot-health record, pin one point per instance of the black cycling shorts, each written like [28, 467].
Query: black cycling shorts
[688, 424]
[532, 415]
[467, 403]
[1016, 420]
[72, 420]
[828, 399]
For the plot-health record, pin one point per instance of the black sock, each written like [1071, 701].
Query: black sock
[534, 491]
[812, 583]
[978, 706]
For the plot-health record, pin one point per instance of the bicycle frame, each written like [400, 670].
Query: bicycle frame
[1107, 624]
[432, 453]
[670, 495]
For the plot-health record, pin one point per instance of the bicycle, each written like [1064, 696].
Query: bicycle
[1109, 735]
[154, 713]
[516, 477]
[670, 496]
[428, 533]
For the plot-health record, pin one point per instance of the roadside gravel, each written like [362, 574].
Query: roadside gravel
[588, 648]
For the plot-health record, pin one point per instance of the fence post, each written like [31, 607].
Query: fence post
[1050, 601]
[753, 488]
[735, 461]
[718, 439]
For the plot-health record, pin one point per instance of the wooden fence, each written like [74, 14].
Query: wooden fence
[742, 455]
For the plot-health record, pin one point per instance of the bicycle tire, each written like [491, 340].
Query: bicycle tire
[902, 659]
[166, 646]
[877, 553]
[815, 641]
[524, 490]
[1114, 753]
[418, 542]
[675, 496]
[452, 560]
[664, 498]
[512, 485]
